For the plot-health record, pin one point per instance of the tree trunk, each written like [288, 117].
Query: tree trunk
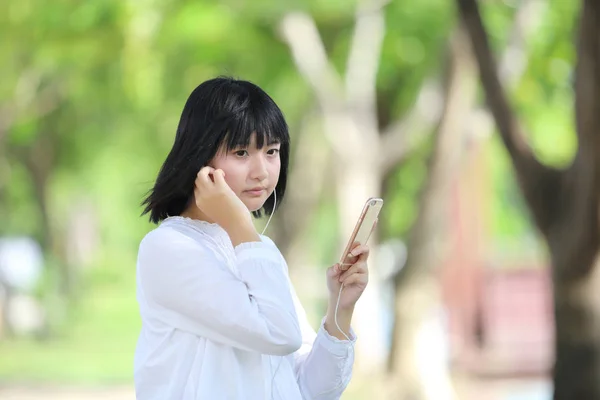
[349, 116]
[306, 184]
[574, 241]
[564, 204]
[576, 279]
[576, 372]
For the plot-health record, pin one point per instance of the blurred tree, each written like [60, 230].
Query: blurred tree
[418, 303]
[563, 202]
[92, 90]
[363, 153]
[47, 68]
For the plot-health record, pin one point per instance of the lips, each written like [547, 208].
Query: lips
[256, 191]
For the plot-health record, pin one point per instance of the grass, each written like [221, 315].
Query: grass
[96, 347]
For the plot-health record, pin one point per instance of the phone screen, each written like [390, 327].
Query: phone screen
[364, 228]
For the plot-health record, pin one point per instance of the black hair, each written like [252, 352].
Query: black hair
[219, 112]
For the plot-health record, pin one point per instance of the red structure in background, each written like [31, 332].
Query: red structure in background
[500, 317]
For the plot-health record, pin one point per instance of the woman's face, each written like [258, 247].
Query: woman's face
[251, 173]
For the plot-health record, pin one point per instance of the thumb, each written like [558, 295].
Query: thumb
[333, 271]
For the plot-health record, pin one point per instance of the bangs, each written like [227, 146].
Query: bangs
[268, 125]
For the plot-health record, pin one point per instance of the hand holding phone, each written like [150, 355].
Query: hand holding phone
[362, 231]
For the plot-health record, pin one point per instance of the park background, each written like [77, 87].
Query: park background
[383, 98]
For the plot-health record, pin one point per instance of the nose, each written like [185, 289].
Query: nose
[259, 170]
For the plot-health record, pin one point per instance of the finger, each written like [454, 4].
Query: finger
[337, 269]
[360, 250]
[358, 254]
[330, 273]
[203, 174]
[333, 271]
[356, 268]
[363, 258]
[206, 170]
[348, 259]
[356, 279]
[219, 177]
[348, 262]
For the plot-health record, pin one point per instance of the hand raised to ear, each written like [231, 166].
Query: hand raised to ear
[217, 200]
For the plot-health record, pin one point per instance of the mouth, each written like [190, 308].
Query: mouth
[255, 191]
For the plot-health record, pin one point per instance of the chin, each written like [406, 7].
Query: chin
[255, 206]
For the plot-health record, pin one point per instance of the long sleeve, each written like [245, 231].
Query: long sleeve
[195, 291]
[323, 364]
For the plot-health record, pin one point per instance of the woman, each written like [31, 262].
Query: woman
[220, 318]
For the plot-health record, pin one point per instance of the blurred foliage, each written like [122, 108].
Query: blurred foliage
[543, 101]
[95, 89]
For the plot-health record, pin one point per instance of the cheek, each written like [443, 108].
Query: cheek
[234, 179]
[275, 169]
[223, 164]
[231, 181]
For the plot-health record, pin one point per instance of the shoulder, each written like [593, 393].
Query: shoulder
[180, 238]
[166, 252]
[169, 239]
[162, 236]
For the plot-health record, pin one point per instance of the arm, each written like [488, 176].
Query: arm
[344, 318]
[194, 292]
[323, 364]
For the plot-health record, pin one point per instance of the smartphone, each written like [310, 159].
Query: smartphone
[362, 231]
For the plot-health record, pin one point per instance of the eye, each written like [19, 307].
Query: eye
[241, 153]
[273, 152]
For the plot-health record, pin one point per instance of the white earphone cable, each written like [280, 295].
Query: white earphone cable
[272, 212]
[263, 232]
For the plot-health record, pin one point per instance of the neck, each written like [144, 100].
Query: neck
[193, 212]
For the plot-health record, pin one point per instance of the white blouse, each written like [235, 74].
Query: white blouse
[224, 323]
